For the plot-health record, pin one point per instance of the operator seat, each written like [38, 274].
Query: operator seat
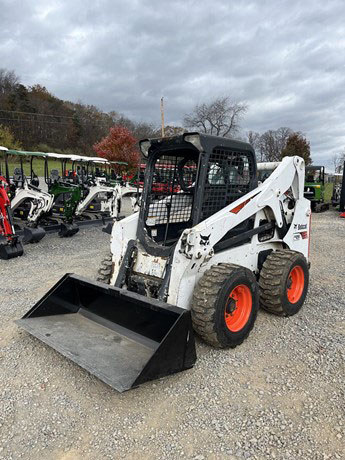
[54, 175]
[35, 180]
[18, 176]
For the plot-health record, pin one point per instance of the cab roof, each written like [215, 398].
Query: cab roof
[201, 142]
[59, 156]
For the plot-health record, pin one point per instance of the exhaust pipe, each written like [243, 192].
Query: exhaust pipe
[33, 234]
[122, 338]
[67, 230]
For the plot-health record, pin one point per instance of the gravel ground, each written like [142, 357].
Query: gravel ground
[279, 395]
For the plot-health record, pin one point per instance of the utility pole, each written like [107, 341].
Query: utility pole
[162, 115]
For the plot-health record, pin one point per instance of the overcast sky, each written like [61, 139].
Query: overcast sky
[285, 59]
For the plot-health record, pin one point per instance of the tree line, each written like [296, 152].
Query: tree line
[38, 120]
[34, 119]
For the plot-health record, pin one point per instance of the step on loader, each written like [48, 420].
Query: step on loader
[200, 256]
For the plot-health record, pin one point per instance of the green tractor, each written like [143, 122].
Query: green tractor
[314, 188]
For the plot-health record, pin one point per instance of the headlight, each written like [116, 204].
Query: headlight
[144, 147]
[193, 139]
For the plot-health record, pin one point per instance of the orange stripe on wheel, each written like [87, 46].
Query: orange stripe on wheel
[238, 308]
[295, 284]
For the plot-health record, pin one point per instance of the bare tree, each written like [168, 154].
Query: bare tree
[254, 139]
[338, 160]
[8, 80]
[335, 161]
[172, 130]
[220, 117]
[140, 130]
[269, 145]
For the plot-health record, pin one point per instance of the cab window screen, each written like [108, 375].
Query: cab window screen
[228, 178]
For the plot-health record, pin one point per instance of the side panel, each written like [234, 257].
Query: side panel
[187, 273]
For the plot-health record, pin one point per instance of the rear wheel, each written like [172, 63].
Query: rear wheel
[284, 280]
[106, 269]
[225, 304]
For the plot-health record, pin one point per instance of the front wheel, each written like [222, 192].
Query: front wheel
[224, 305]
[105, 271]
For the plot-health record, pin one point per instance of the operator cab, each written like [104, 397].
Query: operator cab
[188, 179]
[315, 174]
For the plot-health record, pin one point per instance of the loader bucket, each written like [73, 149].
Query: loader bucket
[10, 250]
[123, 338]
[33, 234]
[67, 230]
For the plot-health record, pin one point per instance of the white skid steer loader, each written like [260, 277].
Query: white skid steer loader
[207, 247]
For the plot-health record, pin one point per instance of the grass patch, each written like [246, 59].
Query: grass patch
[328, 191]
[37, 166]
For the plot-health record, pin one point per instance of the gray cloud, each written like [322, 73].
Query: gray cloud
[285, 59]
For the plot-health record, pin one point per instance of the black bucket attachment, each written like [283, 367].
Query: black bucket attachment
[123, 338]
[33, 234]
[67, 230]
[10, 249]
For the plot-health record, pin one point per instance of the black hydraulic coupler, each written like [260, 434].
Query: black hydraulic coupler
[10, 249]
[67, 230]
[108, 228]
[33, 234]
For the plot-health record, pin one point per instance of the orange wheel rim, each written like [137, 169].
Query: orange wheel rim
[295, 285]
[238, 308]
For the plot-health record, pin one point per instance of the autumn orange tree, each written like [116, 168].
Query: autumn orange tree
[119, 145]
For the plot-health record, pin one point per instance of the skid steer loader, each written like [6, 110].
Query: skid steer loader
[201, 255]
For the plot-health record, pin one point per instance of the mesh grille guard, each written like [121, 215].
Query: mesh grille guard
[186, 183]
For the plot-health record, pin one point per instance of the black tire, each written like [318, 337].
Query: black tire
[275, 279]
[211, 298]
[106, 270]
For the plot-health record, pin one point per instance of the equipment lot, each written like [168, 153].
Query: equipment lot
[281, 394]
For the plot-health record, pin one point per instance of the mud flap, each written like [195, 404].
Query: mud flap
[123, 338]
[9, 250]
[33, 234]
[67, 230]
